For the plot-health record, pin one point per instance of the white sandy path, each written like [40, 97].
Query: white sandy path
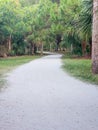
[40, 96]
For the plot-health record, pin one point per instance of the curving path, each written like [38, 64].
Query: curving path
[40, 96]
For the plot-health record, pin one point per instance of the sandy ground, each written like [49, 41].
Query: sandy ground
[40, 96]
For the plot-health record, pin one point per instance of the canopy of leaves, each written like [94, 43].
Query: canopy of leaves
[42, 21]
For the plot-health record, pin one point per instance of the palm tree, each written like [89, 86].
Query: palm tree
[95, 38]
[85, 22]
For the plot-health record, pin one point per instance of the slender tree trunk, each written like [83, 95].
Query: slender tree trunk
[71, 47]
[57, 46]
[41, 48]
[37, 49]
[83, 48]
[50, 47]
[90, 43]
[95, 38]
[34, 48]
[9, 43]
[31, 48]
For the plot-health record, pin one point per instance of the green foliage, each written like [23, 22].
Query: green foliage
[85, 21]
[41, 21]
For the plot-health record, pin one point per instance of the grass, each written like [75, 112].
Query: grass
[80, 68]
[7, 64]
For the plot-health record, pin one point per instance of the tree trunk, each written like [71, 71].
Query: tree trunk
[41, 48]
[34, 48]
[83, 48]
[9, 43]
[58, 40]
[31, 48]
[71, 48]
[57, 47]
[95, 38]
[50, 48]
[90, 43]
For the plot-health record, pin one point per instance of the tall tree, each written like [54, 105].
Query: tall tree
[85, 24]
[95, 38]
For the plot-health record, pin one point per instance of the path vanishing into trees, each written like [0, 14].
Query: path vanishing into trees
[40, 96]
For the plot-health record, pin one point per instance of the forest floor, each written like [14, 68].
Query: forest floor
[39, 95]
